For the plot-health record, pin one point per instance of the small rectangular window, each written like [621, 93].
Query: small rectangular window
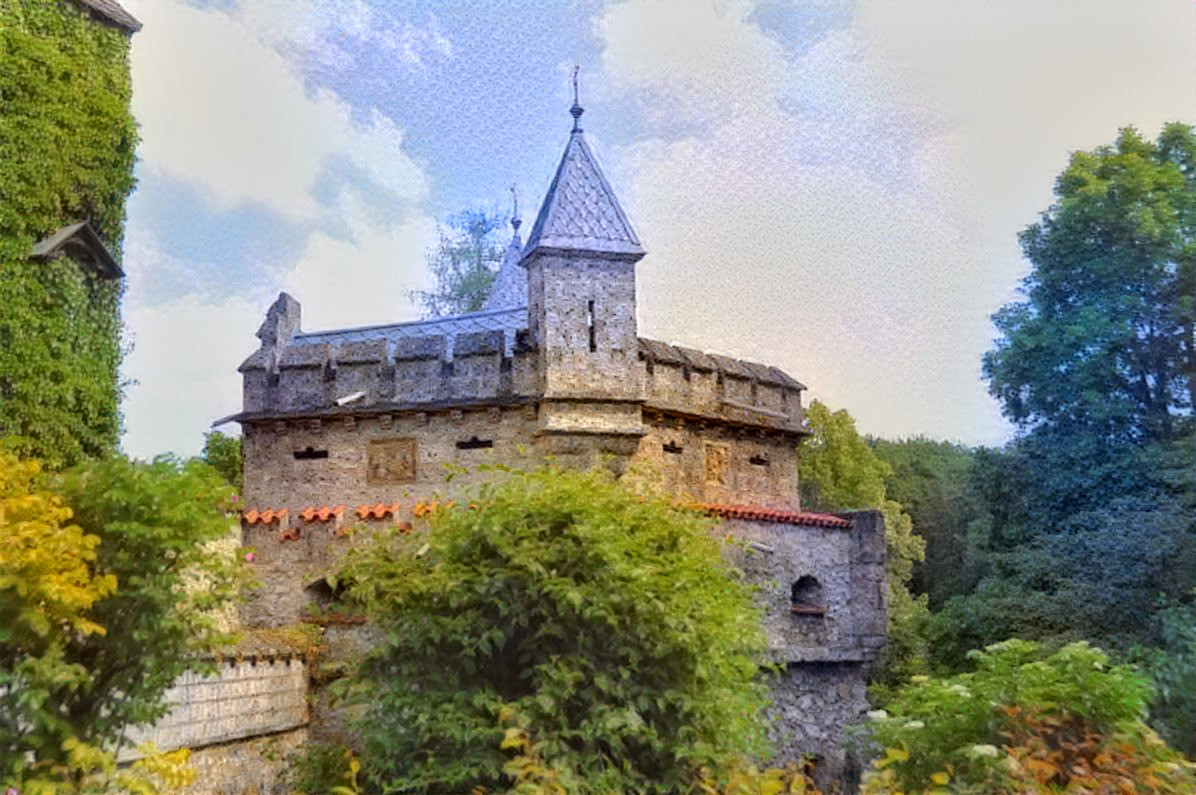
[672, 447]
[590, 326]
[474, 443]
[310, 454]
[758, 460]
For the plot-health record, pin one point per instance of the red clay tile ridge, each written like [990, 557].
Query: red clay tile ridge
[378, 511]
[324, 513]
[111, 11]
[268, 516]
[779, 515]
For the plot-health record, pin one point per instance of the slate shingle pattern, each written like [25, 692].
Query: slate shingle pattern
[580, 211]
[510, 284]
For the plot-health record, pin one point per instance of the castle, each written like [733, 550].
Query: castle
[356, 426]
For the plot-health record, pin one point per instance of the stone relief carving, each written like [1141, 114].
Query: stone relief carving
[717, 456]
[391, 461]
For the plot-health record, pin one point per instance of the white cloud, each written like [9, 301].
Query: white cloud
[223, 111]
[313, 29]
[184, 358]
[363, 280]
[850, 213]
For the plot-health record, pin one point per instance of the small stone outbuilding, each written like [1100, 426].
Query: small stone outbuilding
[357, 425]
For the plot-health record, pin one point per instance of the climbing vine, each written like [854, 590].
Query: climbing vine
[67, 141]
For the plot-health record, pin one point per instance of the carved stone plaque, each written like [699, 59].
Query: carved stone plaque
[391, 461]
[717, 456]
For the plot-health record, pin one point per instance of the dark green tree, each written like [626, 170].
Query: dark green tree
[464, 264]
[67, 139]
[935, 483]
[1102, 345]
[223, 453]
[597, 631]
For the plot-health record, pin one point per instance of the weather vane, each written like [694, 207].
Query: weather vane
[576, 110]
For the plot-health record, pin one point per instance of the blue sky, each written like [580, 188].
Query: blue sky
[831, 187]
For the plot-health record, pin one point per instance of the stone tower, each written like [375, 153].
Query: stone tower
[580, 259]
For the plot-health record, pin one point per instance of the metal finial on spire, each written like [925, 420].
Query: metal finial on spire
[576, 110]
[515, 219]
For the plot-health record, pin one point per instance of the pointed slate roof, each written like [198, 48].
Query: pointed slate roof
[580, 211]
[510, 285]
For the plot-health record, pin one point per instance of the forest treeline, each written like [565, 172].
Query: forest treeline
[1083, 527]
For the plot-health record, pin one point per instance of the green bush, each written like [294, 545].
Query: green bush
[1023, 722]
[157, 550]
[600, 625]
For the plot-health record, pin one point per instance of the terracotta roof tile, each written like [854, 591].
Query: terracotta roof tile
[377, 511]
[779, 515]
[268, 516]
[324, 513]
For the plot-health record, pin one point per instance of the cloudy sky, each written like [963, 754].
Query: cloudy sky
[832, 187]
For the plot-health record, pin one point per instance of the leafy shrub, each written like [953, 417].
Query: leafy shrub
[1025, 723]
[603, 626]
[102, 615]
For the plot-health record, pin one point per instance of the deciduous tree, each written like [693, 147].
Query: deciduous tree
[1102, 345]
[109, 576]
[597, 627]
[464, 264]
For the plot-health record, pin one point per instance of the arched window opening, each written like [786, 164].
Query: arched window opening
[805, 597]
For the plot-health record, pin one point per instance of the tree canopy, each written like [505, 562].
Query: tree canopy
[464, 264]
[559, 617]
[1102, 345]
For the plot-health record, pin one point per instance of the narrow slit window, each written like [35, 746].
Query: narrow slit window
[672, 447]
[590, 326]
[758, 460]
[474, 443]
[310, 454]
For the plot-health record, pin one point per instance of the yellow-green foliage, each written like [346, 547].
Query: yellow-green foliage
[1026, 723]
[46, 578]
[66, 155]
[839, 470]
[99, 617]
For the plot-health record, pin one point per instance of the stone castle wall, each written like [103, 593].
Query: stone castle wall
[245, 698]
[242, 724]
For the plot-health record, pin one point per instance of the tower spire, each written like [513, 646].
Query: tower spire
[515, 219]
[577, 109]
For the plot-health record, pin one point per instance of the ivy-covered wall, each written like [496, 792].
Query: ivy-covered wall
[67, 141]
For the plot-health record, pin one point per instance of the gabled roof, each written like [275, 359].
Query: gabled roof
[580, 211]
[82, 242]
[111, 11]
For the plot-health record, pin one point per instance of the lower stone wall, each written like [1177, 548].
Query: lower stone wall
[246, 698]
[812, 706]
[254, 766]
[243, 724]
